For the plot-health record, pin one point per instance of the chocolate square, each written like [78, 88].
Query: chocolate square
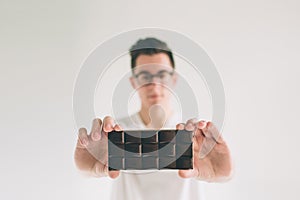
[133, 163]
[133, 150]
[150, 162]
[116, 137]
[150, 136]
[167, 163]
[184, 163]
[184, 136]
[132, 137]
[184, 150]
[167, 136]
[116, 150]
[166, 149]
[150, 149]
[115, 163]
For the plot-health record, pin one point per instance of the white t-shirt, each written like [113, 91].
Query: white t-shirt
[153, 184]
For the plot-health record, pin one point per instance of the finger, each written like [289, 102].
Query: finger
[211, 131]
[206, 147]
[96, 129]
[113, 174]
[83, 139]
[108, 124]
[191, 124]
[201, 124]
[180, 126]
[215, 132]
[117, 127]
[188, 173]
[198, 140]
[205, 140]
[193, 121]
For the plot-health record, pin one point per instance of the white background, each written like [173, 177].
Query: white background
[254, 44]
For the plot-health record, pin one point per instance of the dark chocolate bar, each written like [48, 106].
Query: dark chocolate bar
[150, 149]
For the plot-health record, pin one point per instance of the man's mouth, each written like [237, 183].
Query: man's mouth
[154, 96]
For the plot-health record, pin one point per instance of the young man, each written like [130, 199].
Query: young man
[154, 76]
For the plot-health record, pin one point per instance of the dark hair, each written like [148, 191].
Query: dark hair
[149, 46]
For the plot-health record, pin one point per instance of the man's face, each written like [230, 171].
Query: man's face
[153, 78]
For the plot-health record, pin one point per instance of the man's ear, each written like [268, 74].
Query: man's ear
[133, 83]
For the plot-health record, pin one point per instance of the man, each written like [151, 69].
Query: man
[154, 76]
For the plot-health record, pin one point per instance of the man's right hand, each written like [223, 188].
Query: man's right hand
[91, 153]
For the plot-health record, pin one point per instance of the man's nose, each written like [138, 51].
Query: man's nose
[156, 79]
[155, 82]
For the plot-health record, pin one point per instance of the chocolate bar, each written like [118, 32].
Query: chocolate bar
[150, 149]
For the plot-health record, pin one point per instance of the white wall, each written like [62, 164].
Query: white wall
[254, 44]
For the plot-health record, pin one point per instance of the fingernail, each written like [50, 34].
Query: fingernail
[202, 124]
[108, 127]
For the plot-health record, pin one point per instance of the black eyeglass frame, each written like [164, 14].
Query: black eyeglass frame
[153, 75]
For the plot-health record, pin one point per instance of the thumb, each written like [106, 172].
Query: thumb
[113, 174]
[188, 173]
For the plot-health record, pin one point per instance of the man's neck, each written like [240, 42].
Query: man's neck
[155, 116]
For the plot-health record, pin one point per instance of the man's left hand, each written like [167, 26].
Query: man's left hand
[211, 155]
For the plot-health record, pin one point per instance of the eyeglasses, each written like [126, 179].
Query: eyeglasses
[145, 77]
